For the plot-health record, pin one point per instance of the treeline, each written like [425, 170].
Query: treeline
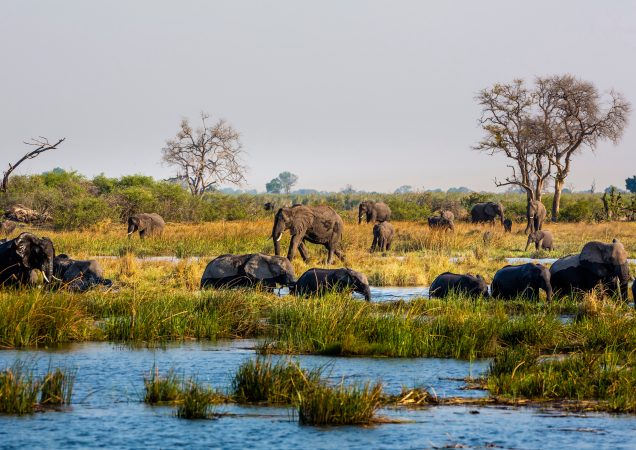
[74, 201]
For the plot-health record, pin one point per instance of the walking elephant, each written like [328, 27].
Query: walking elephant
[487, 212]
[79, 275]
[542, 239]
[147, 224]
[319, 281]
[597, 264]
[316, 224]
[229, 271]
[525, 280]
[19, 258]
[440, 223]
[468, 285]
[374, 212]
[382, 236]
[535, 214]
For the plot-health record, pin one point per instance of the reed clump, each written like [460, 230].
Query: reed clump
[57, 387]
[162, 388]
[196, 401]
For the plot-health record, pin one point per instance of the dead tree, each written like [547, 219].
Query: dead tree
[41, 145]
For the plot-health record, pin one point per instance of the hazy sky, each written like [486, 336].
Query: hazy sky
[372, 94]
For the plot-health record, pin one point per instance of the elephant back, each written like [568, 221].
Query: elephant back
[599, 253]
[225, 266]
[565, 263]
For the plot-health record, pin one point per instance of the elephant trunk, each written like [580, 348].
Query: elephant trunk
[623, 280]
[277, 234]
[548, 291]
[131, 228]
[47, 272]
[366, 291]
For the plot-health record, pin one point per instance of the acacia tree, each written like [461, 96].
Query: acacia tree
[287, 181]
[207, 156]
[41, 145]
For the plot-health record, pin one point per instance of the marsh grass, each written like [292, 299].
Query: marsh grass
[196, 400]
[162, 388]
[57, 387]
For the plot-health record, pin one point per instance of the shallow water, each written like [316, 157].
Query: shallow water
[107, 410]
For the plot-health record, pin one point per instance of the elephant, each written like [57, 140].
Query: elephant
[79, 275]
[19, 257]
[374, 212]
[7, 227]
[448, 215]
[525, 280]
[598, 263]
[542, 238]
[535, 214]
[441, 223]
[316, 224]
[507, 226]
[229, 271]
[147, 224]
[487, 212]
[382, 236]
[468, 285]
[318, 281]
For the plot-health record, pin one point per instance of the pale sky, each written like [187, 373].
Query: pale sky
[372, 94]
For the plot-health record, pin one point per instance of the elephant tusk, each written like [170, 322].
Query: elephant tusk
[279, 237]
[130, 233]
[45, 277]
[57, 279]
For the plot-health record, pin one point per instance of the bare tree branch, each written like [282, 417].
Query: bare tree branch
[42, 145]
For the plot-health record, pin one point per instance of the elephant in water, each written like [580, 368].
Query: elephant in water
[19, 257]
[374, 212]
[525, 280]
[535, 214]
[597, 264]
[487, 212]
[541, 239]
[318, 281]
[79, 275]
[382, 236]
[147, 224]
[228, 271]
[316, 224]
[468, 285]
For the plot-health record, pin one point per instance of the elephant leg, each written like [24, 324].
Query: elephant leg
[304, 253]
[374, 244]
[296, 240]
[339, 253]
[142, 234]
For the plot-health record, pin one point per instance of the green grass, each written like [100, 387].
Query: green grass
[57, 387]
[196, 401]
[162, 388]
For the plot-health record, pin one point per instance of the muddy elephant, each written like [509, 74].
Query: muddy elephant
[374, 212]
[507, 224]
[20, 257]
[319, 281]
[487, 212]
[597, 264]
[316, 224]
[440, 223]
[79, 275]
[7, 227]
[542, 239]
[468, 285]
[535, 215]
[229, 271]
[525, 280]
[147, 224]
[383, 233]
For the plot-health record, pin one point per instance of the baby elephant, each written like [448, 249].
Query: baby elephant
[318, 281]
[79, 275]
[541, 238]
[441, 223]
[469, 285]
[525, 280]
[233, 271]
[507, 226]
[382, 236]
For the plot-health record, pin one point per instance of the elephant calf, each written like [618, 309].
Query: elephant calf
[525, 280]
[382, 236]
[319, 281]
[507, 226]
[541, 238]
[441, 223]
[468, 285]
[229, 271]
[79, 275]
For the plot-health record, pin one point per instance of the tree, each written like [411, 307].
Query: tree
[287, 181]
[207, 156]
[630, 184]
[274, 186]
[41, 145]
[405, 189]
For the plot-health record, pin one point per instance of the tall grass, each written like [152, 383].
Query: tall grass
[196, 401]
[57, 387]
[162, 388]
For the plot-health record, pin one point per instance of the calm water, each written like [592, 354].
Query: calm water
[107, 411]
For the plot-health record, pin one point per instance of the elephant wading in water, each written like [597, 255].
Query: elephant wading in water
[382, 236]
[374, 212]
[228, 271]
[147, 224]
[487, 212]
[597, 264]
[19, 257]
[319, 281]
[316, 224]
[535, 214]
[468, 285]
[525, 280]
[79, 275]
[541, 239]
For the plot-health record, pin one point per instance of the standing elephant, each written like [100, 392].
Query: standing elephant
[382, 236]
[448, 215]
[487, 212]
[79, 275]
[318, 281]
[19, 257]
[542, 238]
[248, 270]
[507, 226]
[374, 212]
[525, 280]
[441, 223]
[597, 264]
[7, 227]
[535, 214]
[468, 285]
[316, 224]
[147, 224]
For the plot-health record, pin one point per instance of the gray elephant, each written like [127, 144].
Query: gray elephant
[468, 285]
[487, 212]
[535, 215]
[507, 224]
[440, 223]
[597, 264]
[79, 275]
[316, 224]
[525, 280]
[7, 227]
[448, 215]
[20, 257]
[147, 224]
[229, 271]
[374, 212]
[319, 281]
[542, 239]
[382, 236]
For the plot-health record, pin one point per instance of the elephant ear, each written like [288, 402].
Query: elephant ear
[489, 208]
[262, 267]
[601, 258]
[301, 220]
[222, 266]
[23, 246]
